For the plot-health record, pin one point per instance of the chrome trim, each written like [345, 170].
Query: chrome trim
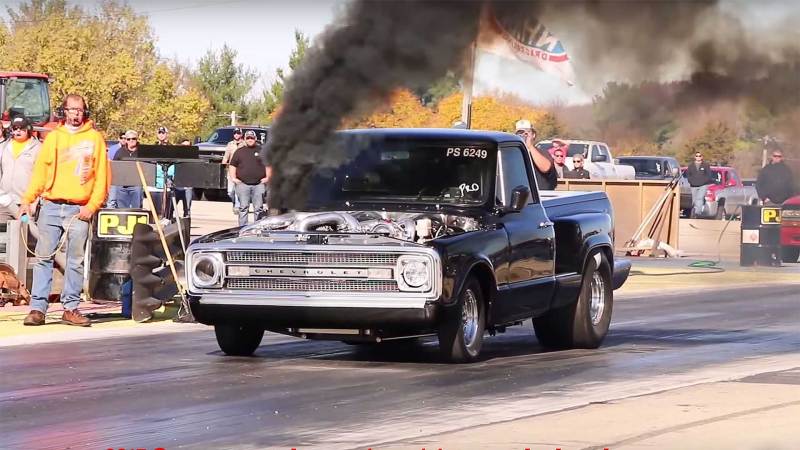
[353, 299]
[384, 301]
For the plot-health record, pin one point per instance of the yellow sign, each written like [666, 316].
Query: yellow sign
[770, 215]
[119, 224]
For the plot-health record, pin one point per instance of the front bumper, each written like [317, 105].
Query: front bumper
[790, 233]
[622, 268]
[283, 316]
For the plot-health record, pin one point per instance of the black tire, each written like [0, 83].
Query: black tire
[790, 254]
[461, 331]
[238, 340]
[579, 325]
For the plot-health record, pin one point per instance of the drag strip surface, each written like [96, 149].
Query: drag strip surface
[177, 389]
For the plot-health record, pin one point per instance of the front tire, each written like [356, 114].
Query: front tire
[461, 333]
[238, 340]
[583, 324]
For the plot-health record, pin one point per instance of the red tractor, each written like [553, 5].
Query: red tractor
[28, 94]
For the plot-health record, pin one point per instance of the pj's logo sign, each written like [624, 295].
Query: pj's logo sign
[119, 224]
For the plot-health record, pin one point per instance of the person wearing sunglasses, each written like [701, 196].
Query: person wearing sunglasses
[700, 177]
[545, 173]
[578, 172]
[17, 156]
[250, 175]
[775, 182]
[126, 196]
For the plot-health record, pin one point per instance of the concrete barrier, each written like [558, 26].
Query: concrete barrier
[632, 200]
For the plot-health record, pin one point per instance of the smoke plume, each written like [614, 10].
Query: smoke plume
[379, 46]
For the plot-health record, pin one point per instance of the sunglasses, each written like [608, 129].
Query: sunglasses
[777, 156]
[698, 156]
[132, 139]
[577, 161]
[558, 156]
[25, 129]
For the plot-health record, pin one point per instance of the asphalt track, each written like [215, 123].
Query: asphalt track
[176, 390]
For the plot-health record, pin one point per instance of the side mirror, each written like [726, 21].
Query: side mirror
[599, 158]
[519, 198]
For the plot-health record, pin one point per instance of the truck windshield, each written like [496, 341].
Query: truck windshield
[28, 97]
[644, 166]
[222, 136]
[423, 172]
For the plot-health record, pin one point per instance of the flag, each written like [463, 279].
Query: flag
[525, 39]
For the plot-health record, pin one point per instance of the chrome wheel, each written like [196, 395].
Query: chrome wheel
[597, 302]
[469, 318]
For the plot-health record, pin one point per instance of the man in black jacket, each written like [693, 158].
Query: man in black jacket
[775, 183]
[699, 175]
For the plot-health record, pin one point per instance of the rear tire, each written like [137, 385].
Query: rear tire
[583, 324]
[790, 254]
[238, 340]
[461, 333]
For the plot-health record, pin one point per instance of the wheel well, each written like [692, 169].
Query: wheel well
[606, 251]
[486, 280]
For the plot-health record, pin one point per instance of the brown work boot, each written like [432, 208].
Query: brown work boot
[34, 318]
[74, 317]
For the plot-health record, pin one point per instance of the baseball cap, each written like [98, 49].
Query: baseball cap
[523, 125]
[249, 133]
[130, 134]
[163, 130]
[237, 130]
[20, 122]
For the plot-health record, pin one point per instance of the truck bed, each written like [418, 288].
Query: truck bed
[558, 203]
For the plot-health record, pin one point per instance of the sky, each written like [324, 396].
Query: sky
[262, 32]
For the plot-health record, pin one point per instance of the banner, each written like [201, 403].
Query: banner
[525, 39]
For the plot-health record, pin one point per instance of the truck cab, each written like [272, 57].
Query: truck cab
[26, 93]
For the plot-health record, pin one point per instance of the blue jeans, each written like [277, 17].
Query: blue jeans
[247, 194]
[125, 197]
[232, 194]
[55, 220]
[698, 199]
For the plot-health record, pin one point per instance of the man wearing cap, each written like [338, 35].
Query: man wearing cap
[17, 156]
[545, 173]
[162, 134]
[230, 149]
[250, 176]
[126, 196]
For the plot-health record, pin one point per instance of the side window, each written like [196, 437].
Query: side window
[512, 173]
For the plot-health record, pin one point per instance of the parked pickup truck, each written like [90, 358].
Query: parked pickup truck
[660, 168]
[790, 230]
[597, 159]
[726, 196]
[421, 232]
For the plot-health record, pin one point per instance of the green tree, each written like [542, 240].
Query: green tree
[271, 97]
[716, 141]
[225, 83]
[444, 87]
[549, 127]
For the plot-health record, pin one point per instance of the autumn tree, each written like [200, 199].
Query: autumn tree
[498, 113]
[108, 56]
[717, 142]
[403, 110]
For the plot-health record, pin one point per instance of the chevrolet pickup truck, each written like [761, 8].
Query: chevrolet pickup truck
[790, 230]
[418, 233]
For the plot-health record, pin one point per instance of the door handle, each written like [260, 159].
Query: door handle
[547, 224]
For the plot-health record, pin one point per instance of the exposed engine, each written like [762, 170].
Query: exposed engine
[416, 227]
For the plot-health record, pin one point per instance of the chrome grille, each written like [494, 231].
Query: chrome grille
[315, 258]
[312, 285]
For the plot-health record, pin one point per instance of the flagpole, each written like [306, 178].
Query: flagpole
[467, 82]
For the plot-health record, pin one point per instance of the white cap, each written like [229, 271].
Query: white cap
[523, 125]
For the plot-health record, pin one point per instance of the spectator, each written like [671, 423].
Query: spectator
[71, 175]
[775, 183]
[558, 144]
[112, 151]
[185, 195]
[126, 196]
[699, 175]
[545, 173]
[250, 175]
[230, 149]
[558, 162]
[162, 134]
[578, 171]
[17, 156]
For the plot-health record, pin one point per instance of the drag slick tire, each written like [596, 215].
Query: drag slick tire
[583, 324]
[461, 332]
[238, 340]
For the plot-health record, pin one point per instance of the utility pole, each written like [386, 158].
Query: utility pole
[764, 151]
[233, 118]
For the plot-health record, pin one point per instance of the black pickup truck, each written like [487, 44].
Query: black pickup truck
[419, 233]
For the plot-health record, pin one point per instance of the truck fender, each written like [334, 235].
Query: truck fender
[482, 269]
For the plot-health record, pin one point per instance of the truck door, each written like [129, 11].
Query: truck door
[531, 240]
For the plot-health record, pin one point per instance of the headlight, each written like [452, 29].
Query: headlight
[415, 273]
[207, 269]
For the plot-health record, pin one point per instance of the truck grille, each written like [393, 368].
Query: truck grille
[305, 259]
[313, 285]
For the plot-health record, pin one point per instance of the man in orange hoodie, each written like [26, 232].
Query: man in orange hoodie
[71, 175]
